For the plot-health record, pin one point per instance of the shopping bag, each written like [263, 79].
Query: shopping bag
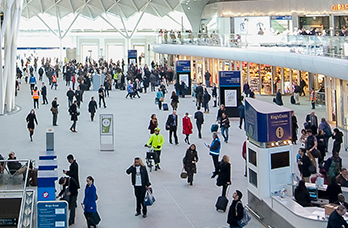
[149, 198]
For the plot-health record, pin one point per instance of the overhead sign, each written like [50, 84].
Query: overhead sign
[229, 78]
[183, 66]
[106, 124]
[52, 214]
[132, 53]
[338, 7]
[281, 17]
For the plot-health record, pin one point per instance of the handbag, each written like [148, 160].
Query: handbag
[312, 168]
[315, 153]
[183, 174]
[149, 198]
[161, 99]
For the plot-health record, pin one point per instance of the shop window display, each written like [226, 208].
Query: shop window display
[254, 77]
[266, 79]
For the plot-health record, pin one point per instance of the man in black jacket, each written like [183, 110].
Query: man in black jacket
[73, 169]
[172, 126]
[140, 181]
[54, 110]
[336, 218]
[70, 185]
[70, 94]
[312, 122]
[236, 210]
[199, 121]
[44, 94]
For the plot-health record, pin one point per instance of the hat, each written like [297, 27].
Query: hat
[239, 194]
[157, 129]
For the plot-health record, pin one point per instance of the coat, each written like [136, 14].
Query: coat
[92, 106]
[224, 174]
[74, 172]
[30, 119]
[73, 112]
[90, 198]
[190, 156]
[186, 125]
[336, 220]
[171, 123]
[278, 98]
[304, 168]
[232, 217]
[144, 176]
[199, 117]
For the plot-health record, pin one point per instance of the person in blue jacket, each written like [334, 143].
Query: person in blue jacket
[89, 202]
[215, 152]
[241, 115]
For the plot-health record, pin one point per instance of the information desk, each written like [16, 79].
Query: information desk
[300, 216]
[322, 191]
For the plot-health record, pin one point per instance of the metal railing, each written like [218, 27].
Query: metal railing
[25, 218]
[330, 46]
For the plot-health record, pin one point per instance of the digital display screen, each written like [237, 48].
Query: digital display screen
[253, 178]
[252, 157]
[280, 160]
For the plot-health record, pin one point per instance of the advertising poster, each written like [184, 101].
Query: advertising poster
[106, 125]
[231, 98]
[185, 78]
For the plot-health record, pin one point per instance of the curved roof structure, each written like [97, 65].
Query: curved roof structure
[94, 8]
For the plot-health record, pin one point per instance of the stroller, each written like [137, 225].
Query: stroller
[150, 158]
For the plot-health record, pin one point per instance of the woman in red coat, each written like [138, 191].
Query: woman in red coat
[186, 127]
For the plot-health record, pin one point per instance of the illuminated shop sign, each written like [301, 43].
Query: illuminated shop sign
[336, 7]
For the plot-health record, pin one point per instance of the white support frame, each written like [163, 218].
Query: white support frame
[8, 40]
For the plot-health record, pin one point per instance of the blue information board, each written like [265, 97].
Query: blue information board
[132, 54]
[229, 78]
[183, 66]
[52, 214]
[281, 17]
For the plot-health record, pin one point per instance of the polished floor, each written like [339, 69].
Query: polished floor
[177, 203]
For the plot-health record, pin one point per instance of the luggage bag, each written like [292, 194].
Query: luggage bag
[214, 128]
[221, 203]
[165, 107]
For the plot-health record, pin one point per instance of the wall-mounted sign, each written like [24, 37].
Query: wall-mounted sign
[281, 17]
[338, 7]
[183, 66]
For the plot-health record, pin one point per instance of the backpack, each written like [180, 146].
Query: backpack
[246, 216]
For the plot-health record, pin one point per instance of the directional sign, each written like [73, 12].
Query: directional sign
[51, 214]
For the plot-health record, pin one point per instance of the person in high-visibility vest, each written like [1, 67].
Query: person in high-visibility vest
[54, 81]
[36, 94]
[312, 97]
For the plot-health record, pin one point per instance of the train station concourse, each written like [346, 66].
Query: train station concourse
[82, 79]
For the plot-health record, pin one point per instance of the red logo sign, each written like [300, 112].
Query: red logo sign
[45, 195]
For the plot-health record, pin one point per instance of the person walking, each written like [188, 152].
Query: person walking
[338, 137]
[101, 92]
[172, 126]
[327, 132]
[312, 98]
[220, 111]
[199, 92]
[70, 185]
[73, 112]
[278, 98]
[89, 202]
[206, 99]
[44, 94]
[54, 110]
[214, 94]
[187, 127]
[141, 182]
[199, 121]
[312, 122]
[224, 174]
[215, 152]
[304, 163]
[189, 161]
[70, 94]
[175, 100]
[156, 141]
[224, 125]
[235, 212]
[78, 96]
[294, 127]
[153, 123]
[302, 86]
[54, 81]
[36, 95]
[32, 81]
[241, 114]
[159, 98]
[92, 107]
[73, 169]
[31, 120]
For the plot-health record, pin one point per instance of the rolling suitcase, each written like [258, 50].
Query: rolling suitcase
[221, 203]
[292, 100]
[214, 128]
[165, 107]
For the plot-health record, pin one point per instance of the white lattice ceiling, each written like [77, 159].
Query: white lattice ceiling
[93, 8]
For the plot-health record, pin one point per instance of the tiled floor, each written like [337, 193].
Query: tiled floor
[177, 204]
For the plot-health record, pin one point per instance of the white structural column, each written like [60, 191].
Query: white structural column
[8, 41]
